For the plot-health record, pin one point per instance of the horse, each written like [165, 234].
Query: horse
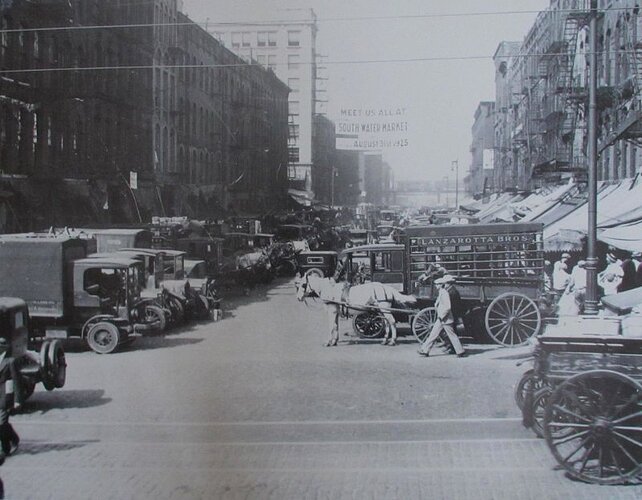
[334, 295]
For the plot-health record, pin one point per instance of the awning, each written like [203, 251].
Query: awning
[625, 237]
[567, 240]
[612, 201]
[543, 202]
[304, 198]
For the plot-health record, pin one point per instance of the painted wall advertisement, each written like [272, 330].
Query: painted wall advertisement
[371, 128]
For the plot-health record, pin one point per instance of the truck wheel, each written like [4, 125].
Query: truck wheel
[57, 364]
[45, 366]
[177, 310]
[154, 314]
[103, 337]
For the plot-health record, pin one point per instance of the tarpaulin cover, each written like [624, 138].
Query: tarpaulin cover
[623, 302]
[34, 269]
[626, 237]
[611, 202]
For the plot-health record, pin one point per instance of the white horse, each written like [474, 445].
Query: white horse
[335, 294]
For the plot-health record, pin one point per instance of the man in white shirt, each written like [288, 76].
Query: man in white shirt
[445, 318]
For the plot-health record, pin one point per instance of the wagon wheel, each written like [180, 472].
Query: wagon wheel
[512, 319]
[369, 325]
[540, 402]
[529, 381]
[423, 322]
[593, 426]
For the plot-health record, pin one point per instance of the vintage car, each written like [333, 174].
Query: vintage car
[359, 237]
[47, 366]
[320, 263]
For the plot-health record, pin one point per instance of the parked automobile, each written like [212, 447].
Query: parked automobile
[71, 295]
[320, 263]
[48, 366]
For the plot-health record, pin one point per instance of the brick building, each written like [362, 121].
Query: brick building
[83, 109]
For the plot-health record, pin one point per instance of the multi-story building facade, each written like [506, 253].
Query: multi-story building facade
[232, 123]
[324, 159]
[542, 96]
[481, 178]
[287, 47]
[111, 122]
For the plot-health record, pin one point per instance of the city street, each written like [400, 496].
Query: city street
[254, 406]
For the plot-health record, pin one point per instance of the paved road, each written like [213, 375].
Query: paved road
[254, 407]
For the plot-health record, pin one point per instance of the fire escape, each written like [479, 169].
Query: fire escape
[558, 97]
[626, 106]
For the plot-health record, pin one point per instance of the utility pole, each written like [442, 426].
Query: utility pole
[590, 305]
[334, 172]
[455, 165]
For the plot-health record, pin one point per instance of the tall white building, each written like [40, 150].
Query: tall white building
[287, 46]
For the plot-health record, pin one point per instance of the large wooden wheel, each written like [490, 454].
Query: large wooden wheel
[512, 318]
[369, 325]
[593, 426]
[423, 322]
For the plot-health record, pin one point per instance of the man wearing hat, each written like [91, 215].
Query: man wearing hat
[561, 276]
[611, 278]
[448, 307]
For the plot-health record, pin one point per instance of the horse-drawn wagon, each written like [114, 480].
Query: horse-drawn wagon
[498, 268]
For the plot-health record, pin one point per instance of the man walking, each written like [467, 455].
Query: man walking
[448, 307]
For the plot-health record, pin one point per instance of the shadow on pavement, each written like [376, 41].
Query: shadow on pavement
[37, 447]
[61, 399]
[159, 342]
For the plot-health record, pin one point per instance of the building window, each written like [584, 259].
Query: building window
[245, 39]
[272, 62]
[293, 61]
[261, 60]
[293, 155]
[261, 38]
[293, 108]
[272, 38]
[293, 83]
[236, 39]
[294, 38]
[294, 131]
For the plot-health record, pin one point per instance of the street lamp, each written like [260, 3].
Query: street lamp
[455, 166]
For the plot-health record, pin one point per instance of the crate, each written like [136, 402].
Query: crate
[632, 326]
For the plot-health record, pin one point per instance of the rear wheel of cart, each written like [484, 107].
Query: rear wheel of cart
[540, 401]
[512, 318]
[103, 337]
[593, 426]
[369, 325]
[423, 322]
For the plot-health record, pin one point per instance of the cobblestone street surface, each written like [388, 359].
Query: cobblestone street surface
[254, 407]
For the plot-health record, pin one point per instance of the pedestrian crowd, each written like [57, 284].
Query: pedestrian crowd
[569, 286]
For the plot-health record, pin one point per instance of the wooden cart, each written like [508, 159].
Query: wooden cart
[586, 397]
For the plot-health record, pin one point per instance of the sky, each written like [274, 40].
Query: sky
[440, 96]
